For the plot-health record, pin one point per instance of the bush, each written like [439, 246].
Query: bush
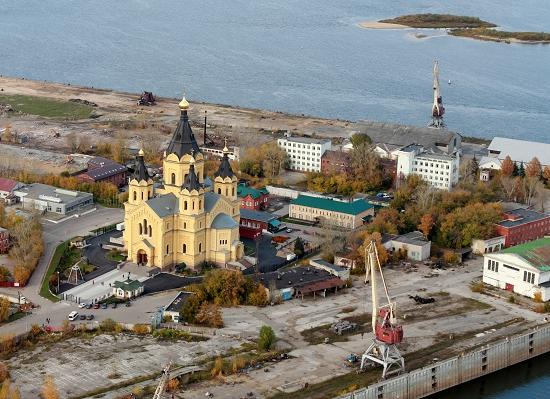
[477, 286]
[109, 325]
[4, 373]
[538, 297]
[170, 334]
[141, 329]
[209, 315]
[512, 299]
[217, 367]
[450, 257]
[266, 338]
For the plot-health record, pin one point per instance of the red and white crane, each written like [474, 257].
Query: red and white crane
[438, 110]
[387, 333]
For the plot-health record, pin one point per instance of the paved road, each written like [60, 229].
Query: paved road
[54, 234]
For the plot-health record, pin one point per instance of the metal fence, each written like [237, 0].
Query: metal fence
[445, 374]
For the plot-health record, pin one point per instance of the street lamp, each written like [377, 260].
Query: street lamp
[58, 282]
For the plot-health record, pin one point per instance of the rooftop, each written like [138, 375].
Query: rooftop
[244, 190]
[332, 266]
[352, 208]
[413, 238]
[105, 171]
[520, 216]
[178, 302]
[257, 215]
[223, 221]
[7, 184]
[293, 278]
[306, 140]
[337, 156]
[44, 192]
[164, 205]
[128, 285]
[520, 150]
[537, 253]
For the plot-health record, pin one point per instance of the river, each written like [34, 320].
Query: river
[299, 56]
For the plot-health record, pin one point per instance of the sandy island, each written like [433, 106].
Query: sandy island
[381, 25]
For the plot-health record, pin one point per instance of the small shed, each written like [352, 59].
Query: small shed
[127, 289]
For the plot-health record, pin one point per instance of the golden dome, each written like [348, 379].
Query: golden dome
[141, 152]
[184, 105]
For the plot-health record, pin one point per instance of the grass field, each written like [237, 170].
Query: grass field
[46, 107]
[56, 258]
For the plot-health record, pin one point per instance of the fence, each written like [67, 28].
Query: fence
[445, 374]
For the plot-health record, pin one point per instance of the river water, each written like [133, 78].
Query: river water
[299, 56]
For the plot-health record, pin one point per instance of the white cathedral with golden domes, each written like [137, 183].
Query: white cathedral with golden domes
[183, 221]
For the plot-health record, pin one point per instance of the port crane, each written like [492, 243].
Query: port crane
[438, 110]
[164, 378]
[387, 333]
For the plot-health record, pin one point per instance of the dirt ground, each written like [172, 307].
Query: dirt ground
[119, 116]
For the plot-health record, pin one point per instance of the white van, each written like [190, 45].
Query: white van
[73, 315]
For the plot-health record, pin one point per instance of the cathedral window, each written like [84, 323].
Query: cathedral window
[135, 196]
[200, 247]
[140, 229]
[142, 195]
[200, 204]
[145, 225]
[233, 191]
[185, 206]
[173, 178]
[184, 248]
[149, 195]
[167, 249]
[150, 231]
[193, 204]
[219, 190]
[184, 225]
[226, 192]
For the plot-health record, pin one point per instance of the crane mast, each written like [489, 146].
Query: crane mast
[387, 333]
[164, 378]
[438, 110]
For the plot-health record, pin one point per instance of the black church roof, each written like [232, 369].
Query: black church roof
[224, 169]
[140, 171]
[192, 181]
[183, 141]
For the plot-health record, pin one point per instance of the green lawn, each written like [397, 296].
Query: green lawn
[47, 107]
[56, 258]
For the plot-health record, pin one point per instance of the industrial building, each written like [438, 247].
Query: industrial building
[523, 225]
[52, 199]
[523, 269]
[345, 214]
[519, 151]
[104, 170]
[304, 153]
[416, 246]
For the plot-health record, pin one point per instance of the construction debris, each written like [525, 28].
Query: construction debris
[343, 327]
[421, 300]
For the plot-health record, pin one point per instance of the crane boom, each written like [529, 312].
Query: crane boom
[164, 378]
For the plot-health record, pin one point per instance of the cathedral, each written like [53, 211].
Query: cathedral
[184, 220]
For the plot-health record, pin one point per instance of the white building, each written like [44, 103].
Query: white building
[304, 153]
[416, 246]
[520, 151]
[523, 269]
[440, 170]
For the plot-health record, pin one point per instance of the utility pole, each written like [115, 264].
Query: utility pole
[205, 112]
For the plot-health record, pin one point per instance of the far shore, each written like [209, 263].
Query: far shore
[381, 25]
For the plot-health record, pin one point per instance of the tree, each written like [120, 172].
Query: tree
[7, 392]
[274, 159]
[366, 165]
[534, 168]
[258, 297]
[507, 167]
[521, 170]
[358, 139]
[531, 186]
[210, 315]
[299, 247]
[426, 223]
[49, 389]
[266, 339]
[173, 385]
[7, 135]
[4, 373]
[4, 309]
[386, 221]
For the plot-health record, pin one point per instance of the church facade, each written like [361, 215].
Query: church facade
[183, 221]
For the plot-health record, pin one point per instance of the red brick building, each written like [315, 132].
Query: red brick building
[252, 198]
[335, 162]
[523, 225]
[4, 240]
[104, 170]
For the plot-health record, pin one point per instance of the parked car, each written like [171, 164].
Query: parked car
[103, 306]
[82, 317]
[289, 230]
[88, 306]
[90, 317]
[81, 305]
[96, 305]
[73, 315]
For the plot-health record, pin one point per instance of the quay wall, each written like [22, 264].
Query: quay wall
[468, 366]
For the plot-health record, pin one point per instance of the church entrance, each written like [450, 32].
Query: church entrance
[141, 257]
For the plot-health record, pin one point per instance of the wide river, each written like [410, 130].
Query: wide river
[303, 57]
[300, 56]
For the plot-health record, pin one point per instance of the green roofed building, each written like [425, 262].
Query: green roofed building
[252, 198]
[346, 214]
[127, 289]
[524, 269]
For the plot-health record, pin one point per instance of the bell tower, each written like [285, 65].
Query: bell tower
[225, 181]
[140, 186]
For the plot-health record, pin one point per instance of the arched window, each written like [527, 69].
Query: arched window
[184, 248]
[148, 194]
[145, 226]
[167, 249]
[185, 206]
[200, 247]
[219, 190]
[233, 191]
[226, 192]
[142, 195]
[184, 225]
[150, 231]
[173, 178]
[193, 204]
[200, 204]
[140, 229]
[135, 196]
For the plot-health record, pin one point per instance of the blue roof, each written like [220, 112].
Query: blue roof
[223, 221]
